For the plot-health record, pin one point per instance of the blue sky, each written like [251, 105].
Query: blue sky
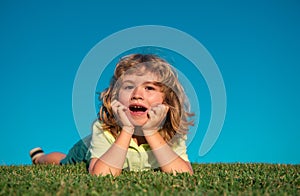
[254, 43]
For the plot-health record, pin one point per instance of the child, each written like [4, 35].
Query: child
[142, 123]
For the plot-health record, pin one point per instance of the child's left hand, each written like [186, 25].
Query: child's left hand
[157, 116]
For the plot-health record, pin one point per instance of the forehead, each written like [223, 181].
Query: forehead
[139, 77]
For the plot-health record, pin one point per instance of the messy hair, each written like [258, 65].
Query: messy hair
[177, 119]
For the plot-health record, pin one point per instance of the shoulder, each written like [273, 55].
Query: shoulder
[97, 126]
[98, 130]
[178, 140]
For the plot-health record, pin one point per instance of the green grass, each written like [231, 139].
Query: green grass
[209, 179]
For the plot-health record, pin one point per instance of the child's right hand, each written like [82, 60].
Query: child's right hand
[121, 117]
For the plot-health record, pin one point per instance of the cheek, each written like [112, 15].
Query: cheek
[123, 97]
[158, 99]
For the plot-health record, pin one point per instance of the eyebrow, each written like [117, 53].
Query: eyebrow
[129, 81]
[144, 83]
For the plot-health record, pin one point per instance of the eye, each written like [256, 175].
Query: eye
[150, 88]
[128, 87]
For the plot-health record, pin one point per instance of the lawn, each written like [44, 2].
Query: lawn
[209, 179]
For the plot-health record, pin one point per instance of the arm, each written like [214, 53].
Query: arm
[112, 161]
[168, 160]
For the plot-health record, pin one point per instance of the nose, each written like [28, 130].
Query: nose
[137, 94]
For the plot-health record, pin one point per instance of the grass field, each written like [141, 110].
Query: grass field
[209, 179]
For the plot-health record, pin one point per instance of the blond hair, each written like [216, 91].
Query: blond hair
[177, 117]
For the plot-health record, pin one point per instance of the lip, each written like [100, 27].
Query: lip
[143, 109]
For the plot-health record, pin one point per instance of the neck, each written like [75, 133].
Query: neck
[139, 139]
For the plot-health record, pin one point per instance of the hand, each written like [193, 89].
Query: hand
[157, 115]
[120, 114]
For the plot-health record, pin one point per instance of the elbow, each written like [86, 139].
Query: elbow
[93, 172]
[105, 173]
[182, 168]
[103, 170]
[191, 172]
[179, 171]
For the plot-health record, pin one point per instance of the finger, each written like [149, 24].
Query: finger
[160, 110]
[151, 114]
[166, 109]
[114, 102]
[163, 110]
[114, 106]
[117, 105]
[155, 104]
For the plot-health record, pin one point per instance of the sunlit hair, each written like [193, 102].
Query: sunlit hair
[177, 120]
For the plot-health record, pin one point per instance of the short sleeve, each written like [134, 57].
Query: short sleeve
[180, 149]
[101, 141]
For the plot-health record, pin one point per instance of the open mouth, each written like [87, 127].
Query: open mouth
[137, 108]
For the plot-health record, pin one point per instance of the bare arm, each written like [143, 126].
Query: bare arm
[112, 161]
[169, 161]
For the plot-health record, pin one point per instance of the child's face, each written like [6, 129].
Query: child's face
[138, 93]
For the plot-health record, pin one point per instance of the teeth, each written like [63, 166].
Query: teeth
[137, 108]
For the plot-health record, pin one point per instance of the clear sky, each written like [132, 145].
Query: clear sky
[254, 43]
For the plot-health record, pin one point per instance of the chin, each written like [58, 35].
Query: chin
[138, 123]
